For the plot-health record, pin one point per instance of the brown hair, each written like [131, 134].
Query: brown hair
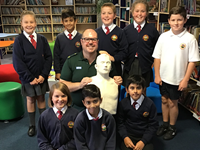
[178, 10]
[111, 5]
[68, 13]
[64, 89]
[140, 1]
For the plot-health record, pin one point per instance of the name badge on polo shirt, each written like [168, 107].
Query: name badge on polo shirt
[78, 67]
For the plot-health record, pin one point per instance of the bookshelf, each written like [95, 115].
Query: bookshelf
[48, 15]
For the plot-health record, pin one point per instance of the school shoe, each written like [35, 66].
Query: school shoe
[170, 134]
[31, 131]
[161, 130]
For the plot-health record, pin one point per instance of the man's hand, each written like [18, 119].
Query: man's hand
[128, 143]
[158, 80]
[139, 145]
[183, 84]
[85, 81]
[118, 80]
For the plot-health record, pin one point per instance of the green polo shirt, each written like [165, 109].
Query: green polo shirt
[75, 68]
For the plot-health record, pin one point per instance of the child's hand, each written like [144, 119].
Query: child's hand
[139, 145]
[40, 79]
[57, 77]
[128, 143]
[84, 82]
[118, 80]
[183, 84]
[34, 82]
[158, 80]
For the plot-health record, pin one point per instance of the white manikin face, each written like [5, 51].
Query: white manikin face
[103, 64]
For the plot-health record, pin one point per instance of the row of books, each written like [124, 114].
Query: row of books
[125, 14]
[9, 29]
[57, 19]
[43, 20]
[44, 28]
[153, 5]
[39, 10]
[58, 10]
[11, 20]
[7, 11]
[58, 28]
[11, 2]
[85, 1]
[190, 98]
[163, 5]
[34, 2]
[85, 10]
[192, 6]
[84, 19]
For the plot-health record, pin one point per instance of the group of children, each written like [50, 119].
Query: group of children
[63, 127]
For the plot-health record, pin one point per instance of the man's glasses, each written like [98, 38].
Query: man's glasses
[88, 39]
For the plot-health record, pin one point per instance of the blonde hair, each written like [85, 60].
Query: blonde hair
[111, 5]
[140, 1]
[64, 89]
[27, 12]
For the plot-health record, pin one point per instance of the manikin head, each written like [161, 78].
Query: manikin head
[103, 64]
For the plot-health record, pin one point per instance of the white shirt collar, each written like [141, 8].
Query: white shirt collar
[73, 33]
[135, 24]
[27, 36]
[110, 27]
[139, 102]
[91, 118]
[179, 35]
[64, 109]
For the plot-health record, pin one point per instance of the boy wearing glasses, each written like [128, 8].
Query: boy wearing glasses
[67, 42]
[112, 40]
[94, 128]
[78, 68]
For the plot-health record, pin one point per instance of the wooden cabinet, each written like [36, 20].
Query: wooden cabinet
[48, 16]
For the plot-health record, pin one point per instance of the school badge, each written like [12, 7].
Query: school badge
[103, 126]
[114, 37]
[77, 44]
[145, 37]
[182, 46]
[70, 124]
[145, 114]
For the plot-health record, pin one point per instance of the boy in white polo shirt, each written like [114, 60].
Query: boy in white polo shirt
[176, 54]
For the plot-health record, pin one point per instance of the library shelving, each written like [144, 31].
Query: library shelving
[48, 15]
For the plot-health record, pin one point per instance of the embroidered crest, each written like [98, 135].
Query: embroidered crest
[114, 37]
[145, 37]
[77, 44]
[182, 46]
[103, 126]
[70, 124]
[146, 114]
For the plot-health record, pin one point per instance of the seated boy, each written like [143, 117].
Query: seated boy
[67, 42]
[136, 116]
[94, 128]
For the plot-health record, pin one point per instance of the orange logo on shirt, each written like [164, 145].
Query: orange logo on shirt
[70, 124]
[114, 37]
[182, 46]
[103, 126]
[77, 44]
[145, 114]
[145, 37]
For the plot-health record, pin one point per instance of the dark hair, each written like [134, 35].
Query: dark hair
[178, 10]
[64, 89]
[68, 13]
[140, 1]
[111, 5]
[92, 91]
[136, 79]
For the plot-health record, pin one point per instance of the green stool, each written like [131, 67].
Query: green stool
[11, 101]
[51, 45]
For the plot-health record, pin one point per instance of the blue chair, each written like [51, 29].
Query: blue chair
[122, 93]
[153, 92]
